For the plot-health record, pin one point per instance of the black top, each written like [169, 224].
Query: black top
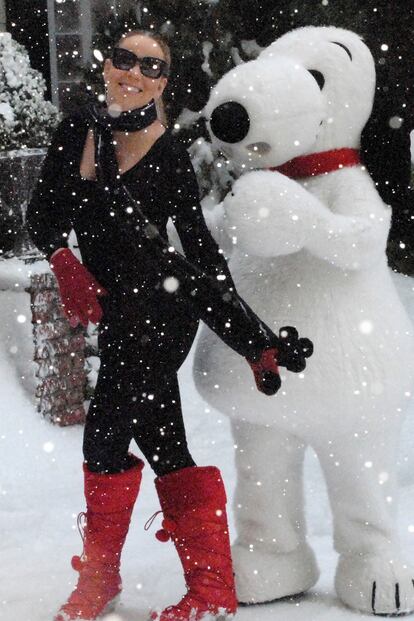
[163, 182]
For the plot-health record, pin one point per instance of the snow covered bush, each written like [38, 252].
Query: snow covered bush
[26, 118]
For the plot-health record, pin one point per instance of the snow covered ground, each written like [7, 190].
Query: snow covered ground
[41, 495]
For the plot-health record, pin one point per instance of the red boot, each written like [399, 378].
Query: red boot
[110, 499]
[194, 504]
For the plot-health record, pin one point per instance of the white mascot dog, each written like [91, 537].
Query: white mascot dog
[309, 251]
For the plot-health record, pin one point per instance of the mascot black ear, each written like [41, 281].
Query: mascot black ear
[344, 48]
[318, 77]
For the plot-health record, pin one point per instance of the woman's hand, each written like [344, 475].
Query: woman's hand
[79, 290]
[289, 351]
[266, 372]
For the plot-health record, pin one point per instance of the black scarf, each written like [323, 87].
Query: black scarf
[103, 124]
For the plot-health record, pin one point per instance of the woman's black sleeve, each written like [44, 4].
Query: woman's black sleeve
[198, 243]
[48, 213]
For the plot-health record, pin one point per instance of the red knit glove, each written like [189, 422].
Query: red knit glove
[78, 289]
[288, 351]
[266, 372]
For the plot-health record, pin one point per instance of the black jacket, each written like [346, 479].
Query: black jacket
[164, 184]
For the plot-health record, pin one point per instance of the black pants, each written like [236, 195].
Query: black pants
[152, 417]
[137, 394]
[143, 343]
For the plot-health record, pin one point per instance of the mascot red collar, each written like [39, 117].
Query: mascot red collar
[319, 163]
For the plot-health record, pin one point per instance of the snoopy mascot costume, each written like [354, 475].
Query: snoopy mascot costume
[309, 233]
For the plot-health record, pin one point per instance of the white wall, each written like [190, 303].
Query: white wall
[70, 29]
[2, 15]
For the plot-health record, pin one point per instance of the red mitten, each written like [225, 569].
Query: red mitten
[266, 372]
[288, 351]
[78, 289]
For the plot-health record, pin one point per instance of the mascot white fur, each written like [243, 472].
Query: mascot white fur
[309, 251]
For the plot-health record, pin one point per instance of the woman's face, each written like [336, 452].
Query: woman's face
[130, 89]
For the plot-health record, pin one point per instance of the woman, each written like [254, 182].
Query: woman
[116, 175]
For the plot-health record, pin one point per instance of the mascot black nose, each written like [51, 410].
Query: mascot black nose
[230, 122]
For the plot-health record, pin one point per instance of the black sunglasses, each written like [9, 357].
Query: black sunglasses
[150, 66]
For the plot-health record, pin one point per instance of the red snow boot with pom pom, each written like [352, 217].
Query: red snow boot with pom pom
[110, 500]
[193, 501]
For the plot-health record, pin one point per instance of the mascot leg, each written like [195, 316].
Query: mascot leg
[271, 556]
[360, 472]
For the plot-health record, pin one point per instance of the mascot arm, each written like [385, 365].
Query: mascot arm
[267, 214]
[354, 241]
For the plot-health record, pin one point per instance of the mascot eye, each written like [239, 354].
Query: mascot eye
[318, 77]
[343, 47]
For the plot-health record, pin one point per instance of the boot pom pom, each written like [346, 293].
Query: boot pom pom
[169, 525]
[76, 563]
[162, 535]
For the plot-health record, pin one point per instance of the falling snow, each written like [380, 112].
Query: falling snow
[41, 483]
[41, 490]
